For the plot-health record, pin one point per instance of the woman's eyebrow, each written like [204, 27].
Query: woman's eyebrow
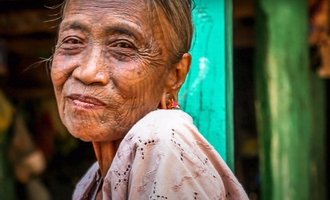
[125, 29]
[116, 28]
[74, 25]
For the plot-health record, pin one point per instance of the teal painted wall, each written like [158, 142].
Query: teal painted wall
[207, 93]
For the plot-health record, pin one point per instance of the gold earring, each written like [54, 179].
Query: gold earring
[171, 103]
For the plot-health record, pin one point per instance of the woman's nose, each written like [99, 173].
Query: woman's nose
[92, 69]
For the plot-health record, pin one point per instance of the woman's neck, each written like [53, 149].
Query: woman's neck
[105, 152]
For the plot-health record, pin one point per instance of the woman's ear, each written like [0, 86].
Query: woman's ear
[179, 74]
[183, 68]
[175, 80]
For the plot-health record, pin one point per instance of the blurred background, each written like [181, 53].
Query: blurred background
[281, 74]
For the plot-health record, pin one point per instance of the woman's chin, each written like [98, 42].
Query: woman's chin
[95, 136]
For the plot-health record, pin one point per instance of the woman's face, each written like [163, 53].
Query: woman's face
[110, 67]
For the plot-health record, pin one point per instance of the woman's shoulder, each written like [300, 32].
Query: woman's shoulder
[166, 117]
[165, 148]
[84, 185]
[164, 129]
[162, 124]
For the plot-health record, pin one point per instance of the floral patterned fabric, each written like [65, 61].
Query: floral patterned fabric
[163, 156]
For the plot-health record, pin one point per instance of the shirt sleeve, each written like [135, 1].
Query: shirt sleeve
[167, 158]
[169, 164]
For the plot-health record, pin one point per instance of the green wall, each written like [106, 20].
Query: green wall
[207, 94]
[290, 105]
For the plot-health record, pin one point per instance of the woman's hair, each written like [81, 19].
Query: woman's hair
[179, 16]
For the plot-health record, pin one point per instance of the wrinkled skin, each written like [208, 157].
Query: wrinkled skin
[111, 67]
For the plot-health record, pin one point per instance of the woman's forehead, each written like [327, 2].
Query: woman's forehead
[105, 6]
[147, 21]
[103, 11]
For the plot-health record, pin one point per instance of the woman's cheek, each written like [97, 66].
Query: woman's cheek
[59, 70]
[59, 75]
[63, 64]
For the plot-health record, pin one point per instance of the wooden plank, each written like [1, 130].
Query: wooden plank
[7, 182]
[243, 8]
[28, 22]
[244, 33]
[207, 93]
[318, 186]
[286, 106]
[31, 47]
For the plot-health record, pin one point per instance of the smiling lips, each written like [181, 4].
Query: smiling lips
[86, 102]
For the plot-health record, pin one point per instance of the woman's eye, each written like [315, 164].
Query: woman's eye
[72, 40]
[124, 45]
[71, 45]
[123, 50]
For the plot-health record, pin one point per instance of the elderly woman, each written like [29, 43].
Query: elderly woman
[117, 69]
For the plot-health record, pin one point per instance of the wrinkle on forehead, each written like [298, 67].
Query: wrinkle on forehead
[143, 13]
[131, 10]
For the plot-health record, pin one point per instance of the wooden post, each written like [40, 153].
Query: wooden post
[7, 184]
[207, 94]
[289, 100]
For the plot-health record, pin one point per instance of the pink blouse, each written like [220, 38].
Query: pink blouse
[163, 156]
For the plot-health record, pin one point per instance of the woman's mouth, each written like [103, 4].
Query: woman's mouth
[86, 102]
